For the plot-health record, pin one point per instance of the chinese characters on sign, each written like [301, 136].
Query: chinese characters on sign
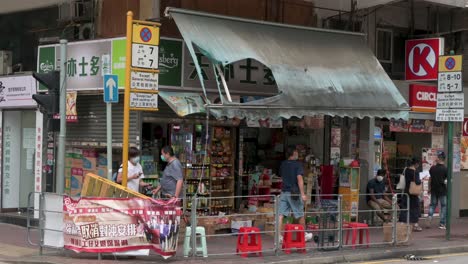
[38, 150]
[116, 225]
[6, 162]
[240, 76]
[450, 99]
[144, 100]
[144, 79]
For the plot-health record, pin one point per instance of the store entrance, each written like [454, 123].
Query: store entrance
[19, 130]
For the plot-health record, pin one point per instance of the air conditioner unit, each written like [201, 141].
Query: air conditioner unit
[6, 59]
[86, 31]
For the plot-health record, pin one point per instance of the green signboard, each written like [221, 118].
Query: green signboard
[170, 62]
[84, 62]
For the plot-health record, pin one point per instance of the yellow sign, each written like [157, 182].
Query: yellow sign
[145, 34]
[450, 63]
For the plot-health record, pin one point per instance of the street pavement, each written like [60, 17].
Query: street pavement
[14, 248]
[455, 258]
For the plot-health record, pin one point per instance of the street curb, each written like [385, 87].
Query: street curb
[388, 254]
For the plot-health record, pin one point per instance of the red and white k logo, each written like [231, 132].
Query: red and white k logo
[422, 58]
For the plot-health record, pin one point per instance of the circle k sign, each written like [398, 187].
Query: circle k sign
[465, 127]
[422, 58]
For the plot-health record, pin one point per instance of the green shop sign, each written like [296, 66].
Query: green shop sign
[84, 62]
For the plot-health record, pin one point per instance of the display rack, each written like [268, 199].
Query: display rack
[222, 155]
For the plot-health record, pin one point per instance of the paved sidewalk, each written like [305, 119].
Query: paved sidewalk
[15, 248]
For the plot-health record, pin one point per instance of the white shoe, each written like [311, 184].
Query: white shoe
[308, 237]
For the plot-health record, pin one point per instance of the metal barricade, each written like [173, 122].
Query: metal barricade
[50, 216]
[224, 229]
[328, 218]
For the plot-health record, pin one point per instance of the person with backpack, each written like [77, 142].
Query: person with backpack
[135, 171]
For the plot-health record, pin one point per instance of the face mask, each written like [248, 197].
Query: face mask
[135, 160]
[379, 178]
[163, 158]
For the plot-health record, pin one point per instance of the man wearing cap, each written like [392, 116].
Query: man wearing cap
[438, 189]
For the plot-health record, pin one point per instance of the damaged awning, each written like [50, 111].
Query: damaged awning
[317, 71]
[184, 104]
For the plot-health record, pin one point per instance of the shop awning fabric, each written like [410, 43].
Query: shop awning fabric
[317, 71]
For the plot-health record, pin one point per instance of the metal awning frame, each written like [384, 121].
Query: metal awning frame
[220, 76]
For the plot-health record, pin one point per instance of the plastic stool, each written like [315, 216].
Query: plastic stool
[249, 240]
[288, 241]
[355, 227]
[200, 230]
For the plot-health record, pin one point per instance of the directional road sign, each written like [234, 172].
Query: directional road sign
[111, 89]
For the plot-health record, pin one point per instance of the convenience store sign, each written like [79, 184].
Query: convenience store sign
[84, 62]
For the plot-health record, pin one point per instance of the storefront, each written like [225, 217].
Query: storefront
[340, 88]
[21, 142]
[87, 62]
[420, 137]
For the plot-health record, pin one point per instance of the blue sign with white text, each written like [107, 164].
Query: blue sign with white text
[111, 89]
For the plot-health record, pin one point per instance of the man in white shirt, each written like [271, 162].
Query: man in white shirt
[135, 171]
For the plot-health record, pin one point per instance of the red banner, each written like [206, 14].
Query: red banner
[108, 225]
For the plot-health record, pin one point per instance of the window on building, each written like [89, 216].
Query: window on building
[384, 45]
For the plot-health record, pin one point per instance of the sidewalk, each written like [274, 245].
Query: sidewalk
[14, 247]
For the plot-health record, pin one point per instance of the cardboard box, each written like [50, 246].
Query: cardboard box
[89, 171]
[101, 171]
[403, 234]
[77, 163]
[68, 162]
[102, 160]
[77, 172]
[90, 153]
[76, 184]
[89, 163]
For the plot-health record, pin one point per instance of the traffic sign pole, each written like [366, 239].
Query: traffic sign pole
[109, 139]
[449, 181]
[60, 184]
[126, 121]
[450, 108]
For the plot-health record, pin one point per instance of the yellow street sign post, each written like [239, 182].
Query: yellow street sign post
[141, 76]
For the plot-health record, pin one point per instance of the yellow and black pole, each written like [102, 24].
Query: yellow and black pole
[141, 76]
[126, 121]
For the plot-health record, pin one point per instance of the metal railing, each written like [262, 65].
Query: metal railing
[328, 218]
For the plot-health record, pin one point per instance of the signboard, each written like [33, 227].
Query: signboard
[423, 98]
[111, 88]
[422, 58]
[145, 56]
[144, 81]
[17, 91]
[450, 82]
[450, 100]
[82, 77]
[107, 225]
[242, 77]
[143, 101]
[465, 127]
[71, 114]
[450, 115]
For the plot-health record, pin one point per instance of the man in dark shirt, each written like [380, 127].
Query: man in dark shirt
[438, 189]
[376, 198]
[292, 192]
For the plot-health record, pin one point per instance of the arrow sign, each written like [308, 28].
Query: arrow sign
[111, 89]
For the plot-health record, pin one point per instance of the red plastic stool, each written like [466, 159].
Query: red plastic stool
[288, 241]
[249, 240]
[355, 227]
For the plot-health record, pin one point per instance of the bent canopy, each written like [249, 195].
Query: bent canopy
[317, 71]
